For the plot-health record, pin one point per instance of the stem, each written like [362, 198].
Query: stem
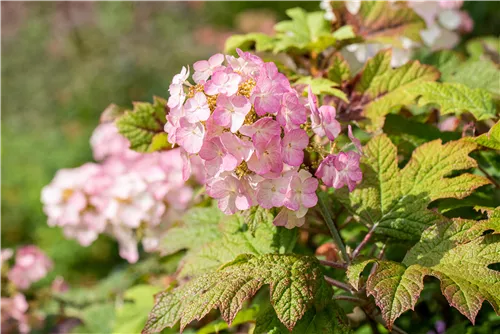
[364, 242]
[338, 284]
[331, 226]
[350, 299]
[332, 264]
[495, 182]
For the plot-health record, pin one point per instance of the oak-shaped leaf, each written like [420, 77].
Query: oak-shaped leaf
[457, 252]
[491, 139]
[396, 200]
[296, 284]
[143, 126]
[384, 22]
[329, 320]
[455, 98]
[381, 88]
[212, 238]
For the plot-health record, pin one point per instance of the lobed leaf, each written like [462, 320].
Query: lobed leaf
[237, 238]
[396, 200]
[457, 252]
[296, 284]
[143, 126]
[382, 88]
[490, 139]
[330, 320]
[385, 22]
[456, 98]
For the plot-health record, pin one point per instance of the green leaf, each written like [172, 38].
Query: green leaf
[238, 239]
[490, 139]
[339, 70]
[306, 31]
[244, 316]
[385, 88]
[296, 284]
[396, 200]
[322, 86]
[143, 126]
[446, 61]
[131, 316]
[456, 252]
[406, 130]
[259, 41]
[197, 227]
[384, 22]
[255, 216]
[487, 47]
[330, 320]
[456, 98]
[482, 74]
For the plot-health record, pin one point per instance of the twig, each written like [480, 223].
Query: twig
[350, 299]
[338, 284]
[332, 264]
[364, 242]
[491, 178]
[333, 230]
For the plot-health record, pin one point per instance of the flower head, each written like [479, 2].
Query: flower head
[341, 170]
[31, 266]
[253, 140]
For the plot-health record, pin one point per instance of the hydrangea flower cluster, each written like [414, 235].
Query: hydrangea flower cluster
[444, 21]
[128, 195]
[250, 128]
[31, 265]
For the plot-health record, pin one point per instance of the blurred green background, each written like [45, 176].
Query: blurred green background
[64, 62]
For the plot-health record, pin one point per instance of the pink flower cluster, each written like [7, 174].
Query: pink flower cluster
[250, 128]
[124, 195]
[31, 265]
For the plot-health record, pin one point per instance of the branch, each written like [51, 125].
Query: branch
[350, 299]
[491, 178]
[333, 230]
[364, 242]
[332, 264]
[338, 284]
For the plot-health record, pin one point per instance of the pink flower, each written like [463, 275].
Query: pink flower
[466, 22]
[262, 130]
[213, 129]
[267, 96]
[15, 308]
[31, 266]
[173, 123]
[229, 192]
[216, 157]
[241, 149]
[293, 145]
[323, 119]
[127, 242]
[180, 78]
[354, 140]
[204, 69]
[131, 203]
[302, 193]
[196, 108]
[450, 4]
[288, 219]
[231, 111]
[272, 192]
[340, 170]
[223, 83]
[177, 95]
[247, 64]
[292, 113]
[190, 135]
[267, 157]
[5, 255]
[107, 142]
